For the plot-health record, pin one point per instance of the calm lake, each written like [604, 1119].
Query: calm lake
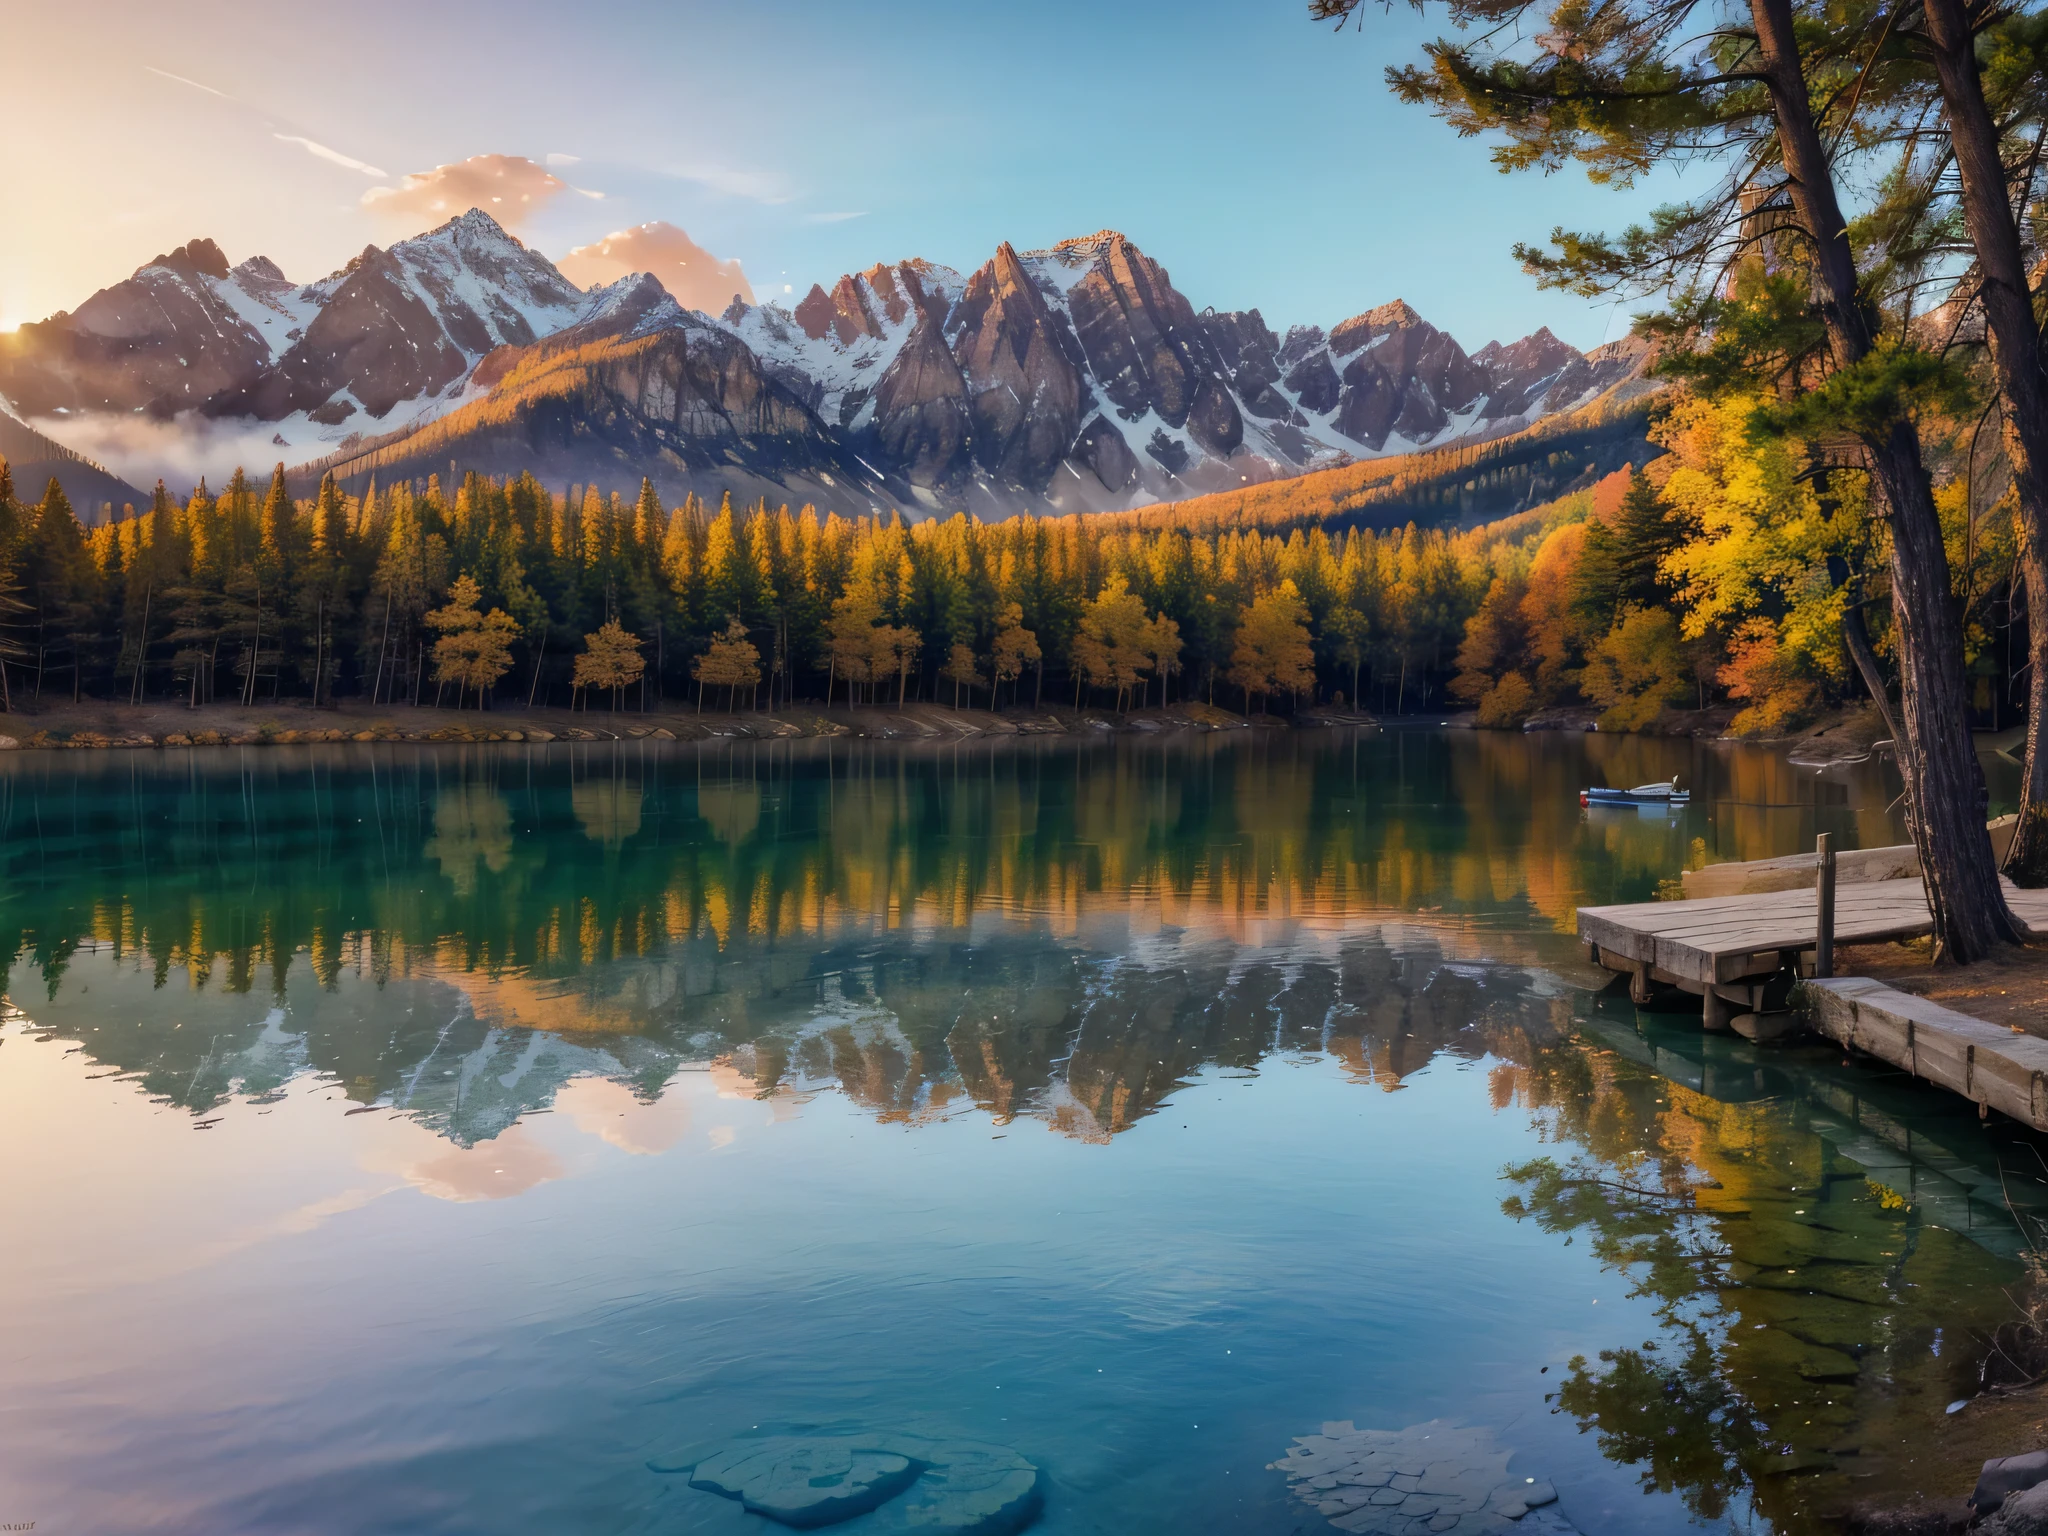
[430, 1141]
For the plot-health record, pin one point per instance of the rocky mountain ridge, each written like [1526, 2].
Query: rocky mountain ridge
[1068, 379]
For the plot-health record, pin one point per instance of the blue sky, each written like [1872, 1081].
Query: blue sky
[1256, 154]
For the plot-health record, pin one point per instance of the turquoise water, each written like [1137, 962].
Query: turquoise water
[429, 1141]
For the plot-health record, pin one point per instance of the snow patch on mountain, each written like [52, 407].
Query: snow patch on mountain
[833, 349]
[261, 297]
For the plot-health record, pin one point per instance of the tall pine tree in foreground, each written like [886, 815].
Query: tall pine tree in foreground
[1995, 118]
[1625, 85]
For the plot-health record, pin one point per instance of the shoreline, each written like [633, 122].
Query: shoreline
[94, 725]
[1839, 738]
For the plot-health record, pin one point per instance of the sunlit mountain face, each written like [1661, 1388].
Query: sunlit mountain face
[450, 1139]
[1070, 379]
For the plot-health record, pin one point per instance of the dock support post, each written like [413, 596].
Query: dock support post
[1824, 905]
[1640, 988]
[1716, 1012]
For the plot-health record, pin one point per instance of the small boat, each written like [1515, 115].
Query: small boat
[1642, 794]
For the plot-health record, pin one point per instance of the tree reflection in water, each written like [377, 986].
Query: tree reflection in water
[1815, 1319]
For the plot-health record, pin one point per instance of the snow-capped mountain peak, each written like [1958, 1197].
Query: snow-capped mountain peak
[1067, 378]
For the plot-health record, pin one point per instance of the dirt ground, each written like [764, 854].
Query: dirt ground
[2011, 989]
[1919, 1489]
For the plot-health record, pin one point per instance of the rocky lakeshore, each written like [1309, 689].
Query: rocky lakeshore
[91, 726]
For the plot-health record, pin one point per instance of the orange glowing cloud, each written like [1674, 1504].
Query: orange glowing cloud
[509, 1164]
[696, 278]
[510, 188]
[614, 1114]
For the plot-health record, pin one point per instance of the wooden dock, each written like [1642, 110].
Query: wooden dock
[1735, 951]
[1988, 1064]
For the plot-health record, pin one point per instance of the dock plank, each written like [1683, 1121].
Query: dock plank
[1725, 938]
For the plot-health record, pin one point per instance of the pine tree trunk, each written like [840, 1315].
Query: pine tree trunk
[2026, 860]
[1857, 634]
[1944, 783]
[2016, 355]
[383, 651]
[255, 654]
[142, 645]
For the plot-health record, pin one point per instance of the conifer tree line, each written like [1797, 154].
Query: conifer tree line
[1865, 259]
[1703, 581]
[506, 593]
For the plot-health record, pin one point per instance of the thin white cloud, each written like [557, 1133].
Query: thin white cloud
[755, 186]
[559, 159]
[223, 95]
[332, 156]
[311, 146]
[834, 218]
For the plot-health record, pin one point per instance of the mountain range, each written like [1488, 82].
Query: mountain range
[1076, 378]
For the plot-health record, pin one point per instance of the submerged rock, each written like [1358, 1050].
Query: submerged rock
[968, 1489]
[1434, 1479]
[876, 1485]
[806, 1482]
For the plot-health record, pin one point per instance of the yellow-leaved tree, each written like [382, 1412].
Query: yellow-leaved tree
[1015, 648]
[1272, 653]
[1496, 658]
[1638, 670]
[732, 662]
[1118, 646]
[1754, 579]
[963, 670]
[611, 661]
[475, 648]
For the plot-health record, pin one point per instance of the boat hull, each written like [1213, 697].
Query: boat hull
[1591, 797]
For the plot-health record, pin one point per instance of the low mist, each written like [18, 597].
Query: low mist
[179, 451]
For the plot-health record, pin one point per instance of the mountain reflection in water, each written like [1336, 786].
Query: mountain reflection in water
[1080, 935]
[1057, 931]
